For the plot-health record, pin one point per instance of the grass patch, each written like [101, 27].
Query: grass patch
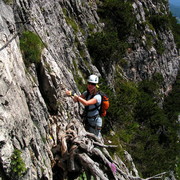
[31, 47]
[18, 167]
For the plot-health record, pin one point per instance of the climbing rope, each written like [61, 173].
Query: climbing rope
[19, 33]
[9, 41]
[54, 57]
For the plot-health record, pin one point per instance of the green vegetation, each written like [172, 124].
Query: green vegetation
[149, 41]
[105, 48]
[120, 116]
[159, 21]
[31, 47]
[142, 127]
[3, 176]
[82, 176]
[171, 108]
[18, 167]
[141, 124]
[9, 2]
[123, 62]
[72, 22]
[117, 16]
[102, 45]
[175, 29]
[110, 45]
[91, 27]
[79, 81]
[159, 47]
[154, 137]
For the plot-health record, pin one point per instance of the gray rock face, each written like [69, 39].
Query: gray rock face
[30, 96]
[144, 62]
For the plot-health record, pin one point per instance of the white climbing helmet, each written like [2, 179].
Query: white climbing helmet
[93, 79]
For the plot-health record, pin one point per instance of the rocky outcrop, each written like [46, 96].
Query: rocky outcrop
[144, 61]
[29, 97]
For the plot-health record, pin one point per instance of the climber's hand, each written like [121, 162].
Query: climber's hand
[69, 93]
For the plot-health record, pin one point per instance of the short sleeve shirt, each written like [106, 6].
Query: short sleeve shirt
[92, 109]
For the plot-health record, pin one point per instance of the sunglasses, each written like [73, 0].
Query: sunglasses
[91, 84]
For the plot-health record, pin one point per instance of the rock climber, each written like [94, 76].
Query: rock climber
[92, 101]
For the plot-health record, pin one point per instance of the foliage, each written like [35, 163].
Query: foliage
[172, 101]
[79, 81]
[120, 104]
[110, 45]
[156, 137]
[142, 126]
[18, 167]
[175, 29]
[159, 47]
[91, 27]
[118, 14]
[105, 48]
[159, 21]
[123, 63]
[82, 176]
[177, 167]
[171, 107]
[3, 176]
[31, 47]
[72, 22]
[102, 45]
[9, 2]
[149, 39]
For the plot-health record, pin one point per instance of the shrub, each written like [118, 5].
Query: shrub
[159, 22]
[118, 14]
[157, 135]
[120, 104]
[123, 63]
[102, 45]
[175, 29]
[105, 48]
[140, 123]
[110, 45]
[9, 2]
[160, 47]
[72, 22]
[18, 167]
[31, 47]
[171, 108]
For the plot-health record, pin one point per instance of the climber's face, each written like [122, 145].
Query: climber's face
[91, 87]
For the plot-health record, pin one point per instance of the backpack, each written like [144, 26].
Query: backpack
[104, 103]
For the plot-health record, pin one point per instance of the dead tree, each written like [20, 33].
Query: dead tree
[76, 151]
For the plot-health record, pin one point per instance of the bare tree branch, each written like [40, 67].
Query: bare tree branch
[76, 150]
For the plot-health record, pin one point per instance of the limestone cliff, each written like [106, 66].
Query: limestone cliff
[30, 96]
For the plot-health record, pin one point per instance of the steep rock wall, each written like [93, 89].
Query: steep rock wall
[144, 61]
[28, 97]
[24, 112]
